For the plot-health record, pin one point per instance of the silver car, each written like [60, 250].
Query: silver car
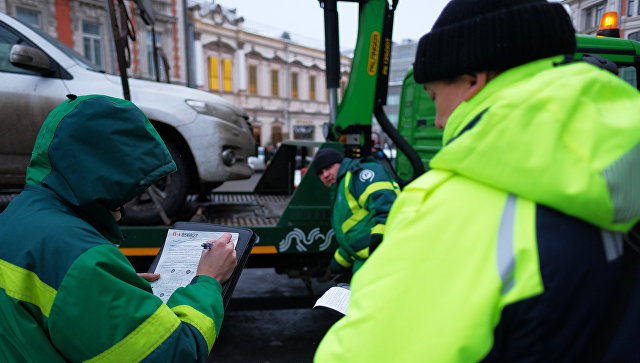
[208, 137]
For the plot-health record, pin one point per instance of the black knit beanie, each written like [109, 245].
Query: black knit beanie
[326, 157]
[485, 35]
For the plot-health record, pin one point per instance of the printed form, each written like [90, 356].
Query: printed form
[336, 298]
[179, 259]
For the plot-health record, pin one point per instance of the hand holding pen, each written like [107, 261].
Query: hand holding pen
[218, 259]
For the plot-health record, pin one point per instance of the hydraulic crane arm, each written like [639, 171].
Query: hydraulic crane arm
[366, 91]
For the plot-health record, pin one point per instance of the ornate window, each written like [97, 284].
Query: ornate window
[92, 42]
[253, 79]
[226, 74]
[312, 88]
[150, 57]
[276, 133]
[214, 80]
[28, 16]
[294, 85]
[275, 91]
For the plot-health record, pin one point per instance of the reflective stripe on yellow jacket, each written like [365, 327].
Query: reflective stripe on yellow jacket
[505, 248]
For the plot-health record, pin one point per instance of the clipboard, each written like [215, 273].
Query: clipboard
[246, 239]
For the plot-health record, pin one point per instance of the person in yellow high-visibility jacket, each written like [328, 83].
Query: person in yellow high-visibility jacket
[511, 247]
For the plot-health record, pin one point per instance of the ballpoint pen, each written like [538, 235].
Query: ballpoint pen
[207, 245]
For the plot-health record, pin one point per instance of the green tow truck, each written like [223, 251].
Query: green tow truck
[293, 222]
[416, 122]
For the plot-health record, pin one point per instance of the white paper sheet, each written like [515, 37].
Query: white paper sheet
[179, 260]
[336, 298]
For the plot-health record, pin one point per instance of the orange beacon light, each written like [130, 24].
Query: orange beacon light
[609, 25]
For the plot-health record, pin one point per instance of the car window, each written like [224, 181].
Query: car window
[7, 40]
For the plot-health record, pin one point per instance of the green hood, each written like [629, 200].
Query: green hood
[563, 136]
[96, 153]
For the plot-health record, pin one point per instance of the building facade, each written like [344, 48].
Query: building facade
[281, 84]
[85, 26]
[586, 15]
[402, 57]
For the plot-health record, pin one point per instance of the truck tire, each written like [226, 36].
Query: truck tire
[170, 192]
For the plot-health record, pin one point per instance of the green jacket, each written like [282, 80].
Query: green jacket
[66, 292]
[362, 197]
[510, 248]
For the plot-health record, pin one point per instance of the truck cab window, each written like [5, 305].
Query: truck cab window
[629, 74]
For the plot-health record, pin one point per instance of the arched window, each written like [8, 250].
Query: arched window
[257, 133]
[276, 133]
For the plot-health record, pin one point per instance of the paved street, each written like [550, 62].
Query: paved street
[270, 335]
[281, 335]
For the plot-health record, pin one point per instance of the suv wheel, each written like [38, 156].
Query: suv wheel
[161, 202]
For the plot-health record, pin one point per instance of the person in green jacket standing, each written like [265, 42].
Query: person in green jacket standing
[513, 246]
[66, 292]
[362, 194]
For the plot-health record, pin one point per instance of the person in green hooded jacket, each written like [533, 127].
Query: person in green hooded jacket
[66, 292]
[514, 246]
[362, 194]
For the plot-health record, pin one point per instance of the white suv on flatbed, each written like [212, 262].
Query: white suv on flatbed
[208, 137]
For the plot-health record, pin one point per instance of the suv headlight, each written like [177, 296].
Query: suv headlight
[212, 109]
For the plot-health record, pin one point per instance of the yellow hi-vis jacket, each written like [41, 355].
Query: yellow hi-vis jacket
[510, 248]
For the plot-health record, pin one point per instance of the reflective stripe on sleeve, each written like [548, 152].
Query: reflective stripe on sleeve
[374, 187]
[341, 260]
[612, 242]
[205, 325]
[378, 228]
[25, 285]
[143, 340]
[623, 177]
[363, 253]
[505, 254]
[357, 213]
